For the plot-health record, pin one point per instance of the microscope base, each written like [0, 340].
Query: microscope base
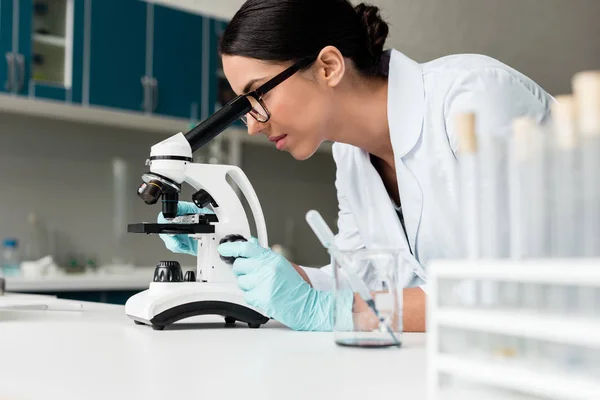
[168, 302]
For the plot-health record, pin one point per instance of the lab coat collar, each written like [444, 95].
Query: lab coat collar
[406, 102]
[406, 112]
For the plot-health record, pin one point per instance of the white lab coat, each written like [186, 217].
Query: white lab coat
[422, 101]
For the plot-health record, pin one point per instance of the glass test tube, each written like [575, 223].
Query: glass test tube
[469, 184]
[453, 341]
[586, 87]
[524, 197]
[492, 150]
[566, 213]
[560, 355]
[493, 209]
[586, 301]
[593, 360]
[566, 237]
[529, 216]
[519, 177]
[597, 303]
[539, 232]
[469, 197]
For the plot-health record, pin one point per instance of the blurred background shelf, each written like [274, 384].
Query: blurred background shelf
[96, 115]
[138, 278]
[112, 285]
[102, 116]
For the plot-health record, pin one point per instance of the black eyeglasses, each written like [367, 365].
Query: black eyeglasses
[259, 110]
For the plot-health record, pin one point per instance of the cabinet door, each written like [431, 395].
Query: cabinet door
[220, 92]
[177, 62]
[117, 53]
[15, 24]
[23, 44]
[6, 35]
[57, 42]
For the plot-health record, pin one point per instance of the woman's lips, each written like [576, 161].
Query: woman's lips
[279, 141]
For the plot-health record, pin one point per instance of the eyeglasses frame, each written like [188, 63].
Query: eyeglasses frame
[262, 90]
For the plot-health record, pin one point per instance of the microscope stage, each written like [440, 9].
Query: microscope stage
[170, 228]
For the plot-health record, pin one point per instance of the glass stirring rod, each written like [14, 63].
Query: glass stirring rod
[326, 237]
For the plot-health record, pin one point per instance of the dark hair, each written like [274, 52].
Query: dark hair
[290, 30]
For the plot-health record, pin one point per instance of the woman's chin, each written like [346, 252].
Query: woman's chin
[302, 151]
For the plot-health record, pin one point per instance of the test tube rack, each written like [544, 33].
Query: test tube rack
[522, 329]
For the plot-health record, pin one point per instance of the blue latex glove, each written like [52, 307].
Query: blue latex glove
[182, 243]
[272, 285]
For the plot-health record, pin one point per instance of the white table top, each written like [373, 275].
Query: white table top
[99, 353]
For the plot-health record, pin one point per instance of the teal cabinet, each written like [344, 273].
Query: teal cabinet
[177, 63]
[41, 45]
[220, 92]
[22, 44]
[13, 45]
[6, 35]
[146, 58]
[128, 55]
[118, 54]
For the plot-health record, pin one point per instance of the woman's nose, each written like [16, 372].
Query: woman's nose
[254, 127]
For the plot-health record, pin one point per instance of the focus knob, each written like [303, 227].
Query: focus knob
[202, 198]
[231, 238]
[168, 271]
[190, 276]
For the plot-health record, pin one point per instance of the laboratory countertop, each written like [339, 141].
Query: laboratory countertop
[138, 278]
[98, 353]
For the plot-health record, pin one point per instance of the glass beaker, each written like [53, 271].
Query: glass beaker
[368, 297]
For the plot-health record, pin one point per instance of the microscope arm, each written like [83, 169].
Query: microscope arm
[243, 183]
[229, 210]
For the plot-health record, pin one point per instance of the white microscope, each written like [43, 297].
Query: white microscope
[212, 288]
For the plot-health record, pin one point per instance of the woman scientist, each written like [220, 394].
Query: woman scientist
[315, 71]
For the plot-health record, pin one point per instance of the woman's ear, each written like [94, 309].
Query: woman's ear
[331, 66]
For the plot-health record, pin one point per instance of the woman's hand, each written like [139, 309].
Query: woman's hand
[182, 243]
[272, 284]
[413, 313]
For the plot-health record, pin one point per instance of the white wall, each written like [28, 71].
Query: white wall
[223, 9]
[548, 40]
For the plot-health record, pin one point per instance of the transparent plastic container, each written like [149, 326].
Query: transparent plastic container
[11, 261]
[35, 243]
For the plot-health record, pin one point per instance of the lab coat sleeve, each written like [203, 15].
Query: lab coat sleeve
[348, 236]
[496, 96]
[320, 278]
